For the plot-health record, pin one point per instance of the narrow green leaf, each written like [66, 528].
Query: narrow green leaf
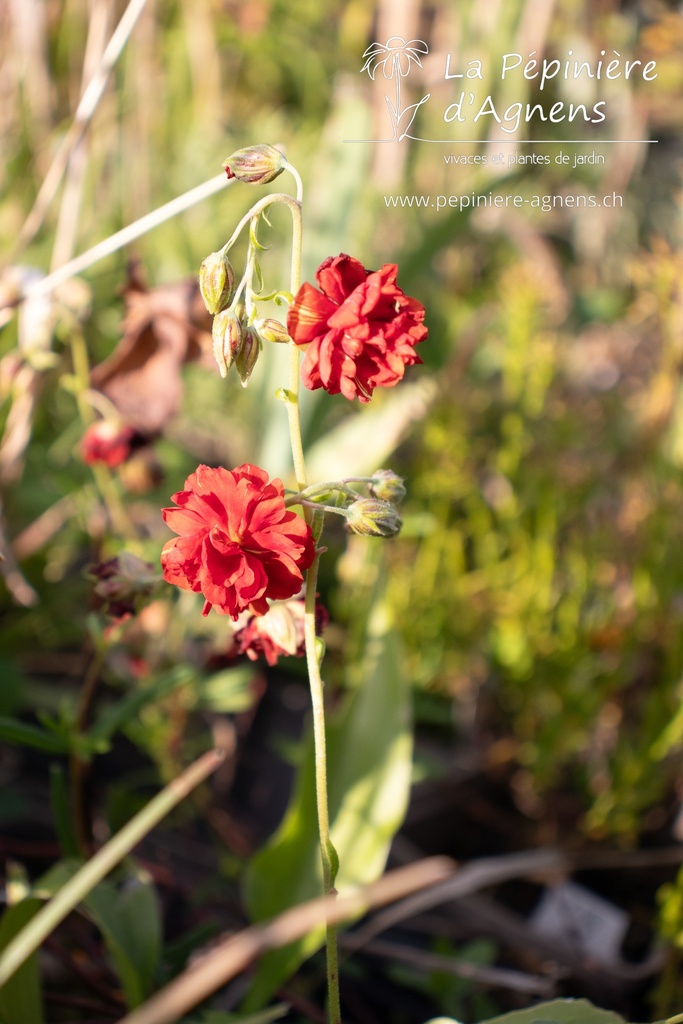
[369, 762]
[129, 918]
[20, 998]
[61, 811]
[128, 915]
[116, 716]
[14, 731]
[362, 444]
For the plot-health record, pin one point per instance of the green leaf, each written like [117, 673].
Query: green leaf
[20, 997]
[369, 764]
[557, 1011]
[13, 685]
[362, 444]
[129, 918]
[228, 691]
[116, 716]
[59, 800]
[14, 731]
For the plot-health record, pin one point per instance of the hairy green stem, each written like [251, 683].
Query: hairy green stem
[327, 852]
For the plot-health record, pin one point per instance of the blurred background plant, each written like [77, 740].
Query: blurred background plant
[532, 606]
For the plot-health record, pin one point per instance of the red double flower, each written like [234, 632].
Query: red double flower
[237, 544]
[360, 327]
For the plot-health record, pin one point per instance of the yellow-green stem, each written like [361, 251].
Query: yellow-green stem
[327, 852]
[101, 474]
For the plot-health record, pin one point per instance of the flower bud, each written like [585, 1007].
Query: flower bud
[257, 165]
[226, 332]
[371, 517]
[108, 441]
[245, 360]
[122, 582]
[216, 282]
[272, 330]
[387, 486]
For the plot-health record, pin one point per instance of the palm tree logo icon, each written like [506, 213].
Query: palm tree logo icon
[395, 58]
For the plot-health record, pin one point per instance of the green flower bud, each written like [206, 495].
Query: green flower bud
[257, 165]
[245, 360]
[227, 335]
[272, 330]
[387, 486]
[371, 517]
[216, 282]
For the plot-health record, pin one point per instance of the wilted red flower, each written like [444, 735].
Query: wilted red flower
[108, 441]
[121, 583]
[238, 545]
[279, 632]
[361, 328]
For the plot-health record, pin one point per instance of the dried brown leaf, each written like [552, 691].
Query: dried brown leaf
[163, 328]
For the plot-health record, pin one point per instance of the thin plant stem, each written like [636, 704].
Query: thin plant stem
[104, 481]
[293, 414]
[105, 860]
[328, 854]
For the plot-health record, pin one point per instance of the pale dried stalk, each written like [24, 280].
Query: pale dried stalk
[236, 953]
[105, 860]
[82, 118]
[67, 224]
[126, 235]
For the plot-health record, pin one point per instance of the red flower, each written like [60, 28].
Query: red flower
[361, 328]
[108, 441]
[238, 545]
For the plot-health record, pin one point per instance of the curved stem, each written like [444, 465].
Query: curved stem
[293, 413]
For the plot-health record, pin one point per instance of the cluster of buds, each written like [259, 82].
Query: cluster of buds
[372, 516]
[235, 339]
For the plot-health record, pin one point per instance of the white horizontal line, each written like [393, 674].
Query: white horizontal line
[522, 142]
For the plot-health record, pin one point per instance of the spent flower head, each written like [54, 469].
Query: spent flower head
[122, 583]
[278, 633]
